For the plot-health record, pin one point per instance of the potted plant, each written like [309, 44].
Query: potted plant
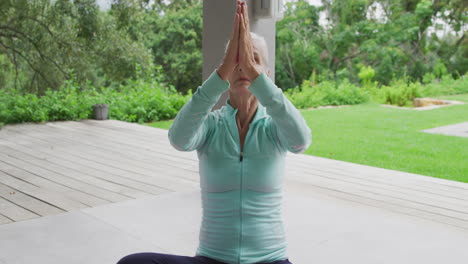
[101, 111]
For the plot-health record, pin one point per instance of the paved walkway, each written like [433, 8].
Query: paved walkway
[94, 191]
[460, 130]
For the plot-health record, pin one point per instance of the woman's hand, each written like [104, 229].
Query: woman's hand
[231, 57]
[246, 52]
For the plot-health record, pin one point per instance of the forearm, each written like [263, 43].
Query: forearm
[223, 72]
[287, 122]
[189, 128]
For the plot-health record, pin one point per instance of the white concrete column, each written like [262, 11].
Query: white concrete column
[218, 17]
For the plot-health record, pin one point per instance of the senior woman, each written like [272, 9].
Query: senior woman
[241, 150]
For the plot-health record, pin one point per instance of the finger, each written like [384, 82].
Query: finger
[235, 31]
[241, 39]
[236, 38]
[237, 27]
[245, 12]
[243, 32]
[247, 50]
[245, 43]
[235, 21]
[244, 8]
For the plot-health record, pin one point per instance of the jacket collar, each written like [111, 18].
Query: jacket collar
[261, 111]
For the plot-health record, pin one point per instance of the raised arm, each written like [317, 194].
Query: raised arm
[192, 124]
[287, 126]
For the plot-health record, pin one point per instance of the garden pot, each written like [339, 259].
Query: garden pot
[101, 111]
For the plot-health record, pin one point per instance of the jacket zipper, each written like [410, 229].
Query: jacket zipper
[241, 158]
[240, 211]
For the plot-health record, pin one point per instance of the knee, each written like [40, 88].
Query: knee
[123, 260]
[131, 259]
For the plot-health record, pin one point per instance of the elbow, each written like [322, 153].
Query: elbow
[177, 147]
[299, 149]
[174, 143]
[303, 144]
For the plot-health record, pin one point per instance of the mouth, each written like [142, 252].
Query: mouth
[243, 79]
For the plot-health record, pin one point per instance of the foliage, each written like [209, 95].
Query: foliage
[177, 45]
[173, 33]
[141, 100]
[446, 86]
[401, 43]
[297, 52]
[402, 92]
[326, 93]
[54, 55]
[44, 41]
[399, 92]
[365, 75]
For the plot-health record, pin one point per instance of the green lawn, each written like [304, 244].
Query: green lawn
[389, 138]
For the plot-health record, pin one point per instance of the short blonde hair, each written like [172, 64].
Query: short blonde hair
[259, 42]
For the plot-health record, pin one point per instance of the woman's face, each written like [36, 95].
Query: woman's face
[238, 80]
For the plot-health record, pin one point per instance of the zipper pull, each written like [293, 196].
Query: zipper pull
[241, 156]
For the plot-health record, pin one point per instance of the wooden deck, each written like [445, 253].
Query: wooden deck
[50, 168]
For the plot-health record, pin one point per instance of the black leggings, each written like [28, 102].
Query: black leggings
[159, 258]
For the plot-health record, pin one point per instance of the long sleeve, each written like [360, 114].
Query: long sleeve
[193, 123]
[288, 125]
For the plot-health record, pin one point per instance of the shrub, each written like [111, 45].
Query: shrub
[138, 101]
[326, 93]
[401, 94]
[445, 86]
[366, 74]
[398, 93]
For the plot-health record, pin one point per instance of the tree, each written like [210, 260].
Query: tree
[297, 44]
[173, 32]
[48, 42]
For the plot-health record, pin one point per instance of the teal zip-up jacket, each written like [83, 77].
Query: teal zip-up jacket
[241, 192]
